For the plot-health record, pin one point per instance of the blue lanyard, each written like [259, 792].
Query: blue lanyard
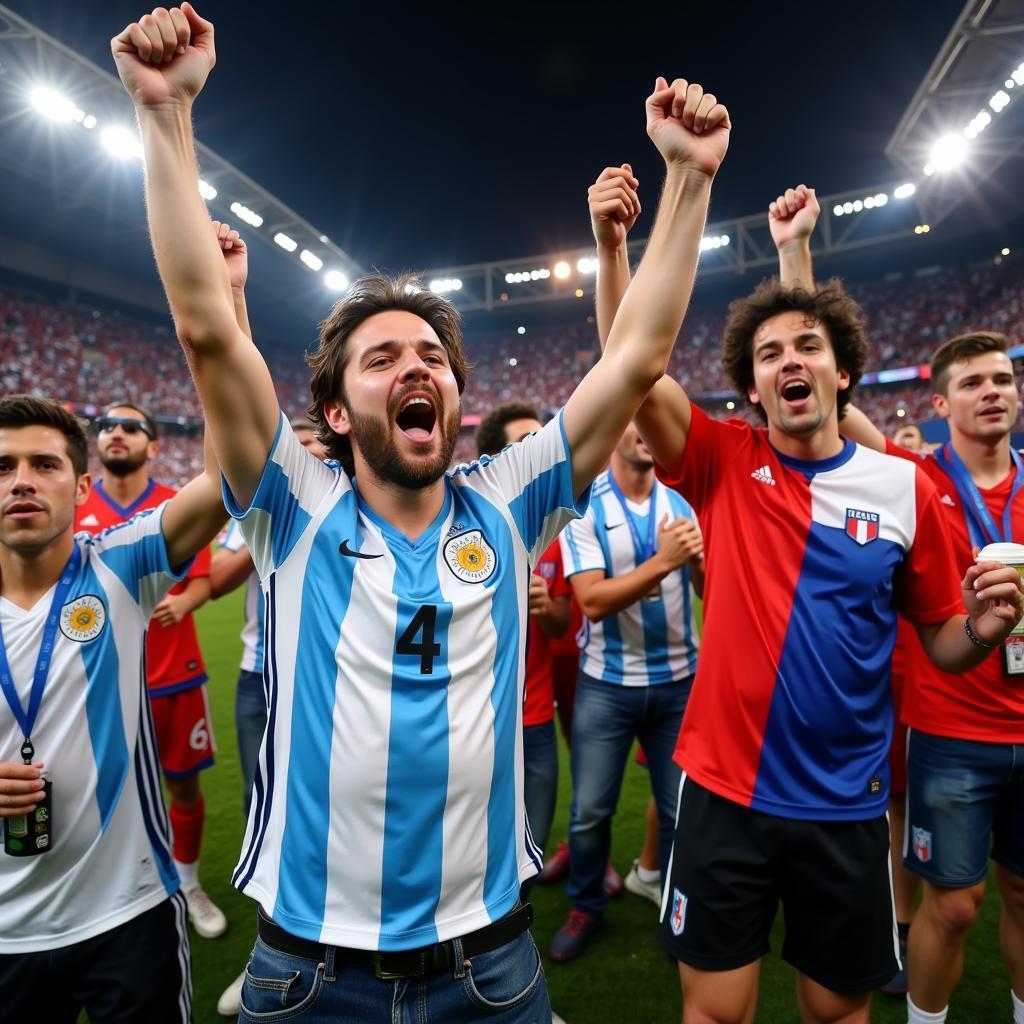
[980, 524]
[28, 719]
[644, 550]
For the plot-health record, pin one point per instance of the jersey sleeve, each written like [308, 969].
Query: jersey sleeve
[136, 552]
[928, 581]
[534, 478]
[292, 486]
[581, 549]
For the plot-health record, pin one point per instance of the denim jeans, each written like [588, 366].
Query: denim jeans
[250, 724]
[607, 719]
[540, 763]
[505, 985]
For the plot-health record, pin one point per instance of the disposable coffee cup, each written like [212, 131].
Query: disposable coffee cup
[1008, 554]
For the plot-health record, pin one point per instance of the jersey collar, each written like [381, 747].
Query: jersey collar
[127, 511]
[811, 467]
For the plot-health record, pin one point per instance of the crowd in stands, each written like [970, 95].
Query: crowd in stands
[91, 358]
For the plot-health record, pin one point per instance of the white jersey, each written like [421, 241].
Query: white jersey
[252, 630]
[654, 640]
[111, 855]
[387, 806]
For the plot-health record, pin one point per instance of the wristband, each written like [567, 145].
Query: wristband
[974, 638]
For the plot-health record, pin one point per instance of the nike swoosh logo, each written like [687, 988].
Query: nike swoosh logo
[612, 526]
[345, 550]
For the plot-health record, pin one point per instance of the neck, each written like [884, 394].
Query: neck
[126, 490]
[822, 444]
[987, 460]
[635, 481]
[26, 576]
[409, 511]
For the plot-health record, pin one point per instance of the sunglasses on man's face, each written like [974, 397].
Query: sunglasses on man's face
[129, 425]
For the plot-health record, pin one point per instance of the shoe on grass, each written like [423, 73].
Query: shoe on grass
[557, 866]
[612, 883]
[638, 887]
[206, 918]
[571, 939]
[230, 1001]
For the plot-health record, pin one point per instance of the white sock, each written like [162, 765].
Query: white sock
[916, 1016]
[188, 873]
[650, 875]
[1018, 1008]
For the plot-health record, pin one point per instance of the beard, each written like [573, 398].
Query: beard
[123, 465]
[372, 435]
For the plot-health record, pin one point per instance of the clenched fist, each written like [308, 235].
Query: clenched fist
[688, 125]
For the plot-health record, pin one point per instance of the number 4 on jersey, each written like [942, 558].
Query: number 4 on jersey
[421, 626]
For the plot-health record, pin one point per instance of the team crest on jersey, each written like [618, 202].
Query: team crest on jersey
[862, 526]
[83, 619]
[470, 558]
[547, 570]
[922, 844]
[677, 920]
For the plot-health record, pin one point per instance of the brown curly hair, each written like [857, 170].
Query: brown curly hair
[369, 295]
[827, 304]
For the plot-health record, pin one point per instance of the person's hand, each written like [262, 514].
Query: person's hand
[171, 610]
[540, 598]
[792, 216]
[21, 788]
[165, 57]
[679, 541]
[689, 126]
[236, 254]
[994, 598]
[614, 206]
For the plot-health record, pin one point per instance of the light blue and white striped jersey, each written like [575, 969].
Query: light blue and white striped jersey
[387, 806]
[111, 855]
[252, 630]
[654, 640]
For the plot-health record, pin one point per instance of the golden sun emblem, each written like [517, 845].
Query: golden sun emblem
[471, 557]
[83, 619]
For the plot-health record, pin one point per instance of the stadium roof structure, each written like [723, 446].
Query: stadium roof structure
[88, 101]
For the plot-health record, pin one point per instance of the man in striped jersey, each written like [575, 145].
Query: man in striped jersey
[93, 917]
[386, 843]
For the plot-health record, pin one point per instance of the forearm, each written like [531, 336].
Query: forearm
[187, 254]
[614, 593]
[795, 270]
[697, 576]
[555, 621]
[195, 595]
[651, 312]
[228, 571]
[949, 647]
[241, 311]
[613, 276]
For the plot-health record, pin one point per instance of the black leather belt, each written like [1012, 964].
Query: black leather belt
[406, 963]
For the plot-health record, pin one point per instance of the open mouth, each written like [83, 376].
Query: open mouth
[796, 391]
[417, 419]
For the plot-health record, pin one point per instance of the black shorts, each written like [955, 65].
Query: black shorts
[731, 867]
[138, 971]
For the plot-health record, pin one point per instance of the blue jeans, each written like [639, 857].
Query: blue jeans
[606, 720]
[250, 724]
[505, 985]
[540, 764]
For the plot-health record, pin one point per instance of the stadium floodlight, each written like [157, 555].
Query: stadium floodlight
[324, 239]
[53, 105]
[869, 202]
[513, 361]
[443, 285]
[947, 152]
[251, 217]
[562, 270]
[881, 199]
[725, 239]
[286, 243]
[904, 191]
[999, 101]
[510, 278]
[89, 121]
[847, 207]
[579, 293]
[838, 210]
[311, 259]
[1018, 75]
[520, 330]
[121, 143]
[206, 190]
[335, 280]
[1004, 251]
[586, 265]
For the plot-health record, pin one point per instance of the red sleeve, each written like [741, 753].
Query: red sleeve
[928, 581]
[201, 566]
[559, 585]
[695, 473]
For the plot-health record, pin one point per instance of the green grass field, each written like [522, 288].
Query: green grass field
[623, 977]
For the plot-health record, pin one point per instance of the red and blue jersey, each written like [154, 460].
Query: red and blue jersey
[808, 564]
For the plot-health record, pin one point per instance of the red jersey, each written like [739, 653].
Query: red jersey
[791, 710]
[983, 704]
[539, 701]
[173, 659]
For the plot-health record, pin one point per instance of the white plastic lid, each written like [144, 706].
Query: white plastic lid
[1008, 554]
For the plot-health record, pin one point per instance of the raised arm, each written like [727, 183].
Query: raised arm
[791, 220]
[691, 130]
[164, 60]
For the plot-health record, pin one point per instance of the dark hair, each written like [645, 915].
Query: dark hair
[490, 434]
[302, 423]
[368, 296]
[960, 349]
[28, 411]
[149, 421]
[827, 304]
